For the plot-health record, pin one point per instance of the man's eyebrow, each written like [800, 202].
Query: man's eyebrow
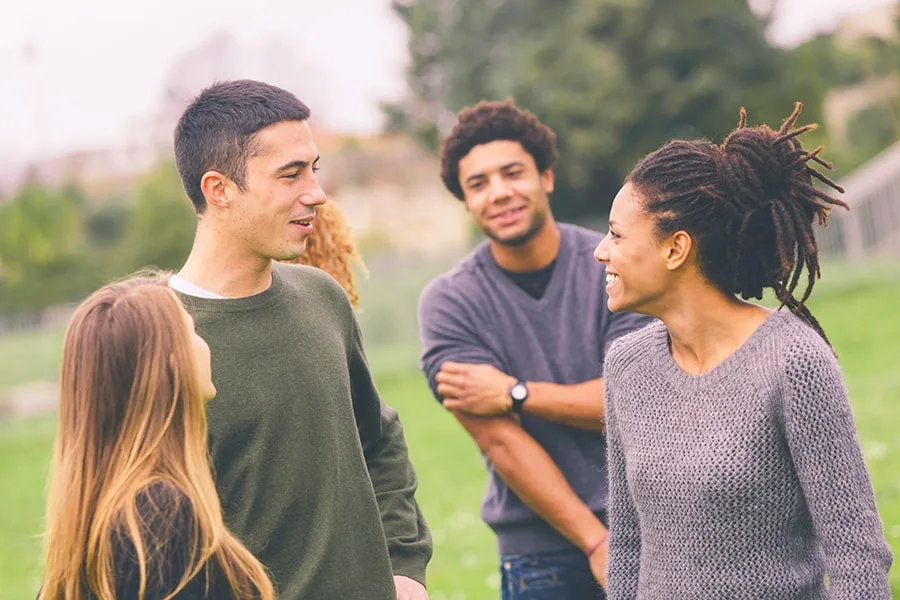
[296, 164]
[475, 176]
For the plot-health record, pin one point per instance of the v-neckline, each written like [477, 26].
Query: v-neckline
[681, 379]
[561, 264]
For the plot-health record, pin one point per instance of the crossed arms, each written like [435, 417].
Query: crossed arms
[468, 379]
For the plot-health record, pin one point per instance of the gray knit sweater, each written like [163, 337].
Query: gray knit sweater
[744, 482]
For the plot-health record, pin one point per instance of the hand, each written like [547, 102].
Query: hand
[409, 589]
[475, 389]
[598, 561]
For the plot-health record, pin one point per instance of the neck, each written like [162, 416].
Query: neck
[223, 267]
[535, 254]
[706, 326]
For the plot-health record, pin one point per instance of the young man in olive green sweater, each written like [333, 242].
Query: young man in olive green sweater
[311, 465]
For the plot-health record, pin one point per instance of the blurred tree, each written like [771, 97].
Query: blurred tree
[105, 227]
[874, 128]
[42, 249]
[869, 132]
[614, 78]
[37, 226]
[160, 228]
[54, 248]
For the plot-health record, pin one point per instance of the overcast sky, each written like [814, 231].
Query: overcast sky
[100, 64]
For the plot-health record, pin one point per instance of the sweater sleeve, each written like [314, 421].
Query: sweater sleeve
[822, 439]
[447, 333]
[624, 529]
[393, 477]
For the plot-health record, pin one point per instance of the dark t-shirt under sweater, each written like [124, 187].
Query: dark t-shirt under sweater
[311, 466]
[533, 282]
[476, 313]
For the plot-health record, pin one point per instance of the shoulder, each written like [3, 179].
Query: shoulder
[582, 243]
[304, 275]
[166, 526]
[164, 509]
[803, 353]
[458, 285]
[303, 280]
[626, 351]
[582, 239]
[580, 233]
[165, 520]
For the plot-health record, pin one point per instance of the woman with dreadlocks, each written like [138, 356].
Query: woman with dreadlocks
[331, 248]
[735, 468]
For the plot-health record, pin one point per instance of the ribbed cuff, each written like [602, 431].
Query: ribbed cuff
[410, 564]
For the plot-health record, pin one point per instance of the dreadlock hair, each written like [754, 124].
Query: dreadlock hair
[749, 204]
[488, 122]
[330, 247]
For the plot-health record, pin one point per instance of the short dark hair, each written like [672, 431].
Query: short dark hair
[217, 130]
[750, 204]
[488, 122]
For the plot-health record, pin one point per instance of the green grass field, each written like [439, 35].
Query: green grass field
[856, 307]
[30, 357]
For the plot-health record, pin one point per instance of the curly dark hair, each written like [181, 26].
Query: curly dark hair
[490, 121]
[750, 204]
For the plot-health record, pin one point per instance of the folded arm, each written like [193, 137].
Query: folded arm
[481, 389]
[393, 477]
[529, 471]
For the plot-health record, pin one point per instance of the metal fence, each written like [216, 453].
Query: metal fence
[872, 225]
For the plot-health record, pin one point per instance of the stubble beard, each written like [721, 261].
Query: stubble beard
[537, 223]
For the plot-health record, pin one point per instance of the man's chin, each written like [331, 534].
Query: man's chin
[513, 239]
[291, 254]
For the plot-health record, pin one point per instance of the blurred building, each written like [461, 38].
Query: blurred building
[872, 226]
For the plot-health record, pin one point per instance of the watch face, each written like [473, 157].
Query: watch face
[519, 392]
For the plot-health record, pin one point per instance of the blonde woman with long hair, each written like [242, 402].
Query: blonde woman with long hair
[133, 511]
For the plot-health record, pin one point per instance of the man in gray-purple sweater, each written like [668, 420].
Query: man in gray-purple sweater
[513, 344]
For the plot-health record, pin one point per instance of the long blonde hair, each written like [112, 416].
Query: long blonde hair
[131, 414]
[331, 247]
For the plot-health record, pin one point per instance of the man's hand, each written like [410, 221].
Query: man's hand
[475, 389]
[598, 560]
[409, 589]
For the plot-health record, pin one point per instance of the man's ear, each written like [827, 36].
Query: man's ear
[548, 178]
[215, 186]
[677, 248]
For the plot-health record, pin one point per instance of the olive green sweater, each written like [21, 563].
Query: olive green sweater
[311, 465]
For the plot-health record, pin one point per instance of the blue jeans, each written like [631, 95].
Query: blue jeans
[564, 575]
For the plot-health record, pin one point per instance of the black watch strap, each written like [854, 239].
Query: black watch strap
[519, 394]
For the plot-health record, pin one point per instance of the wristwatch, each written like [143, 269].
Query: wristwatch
[519, 394]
